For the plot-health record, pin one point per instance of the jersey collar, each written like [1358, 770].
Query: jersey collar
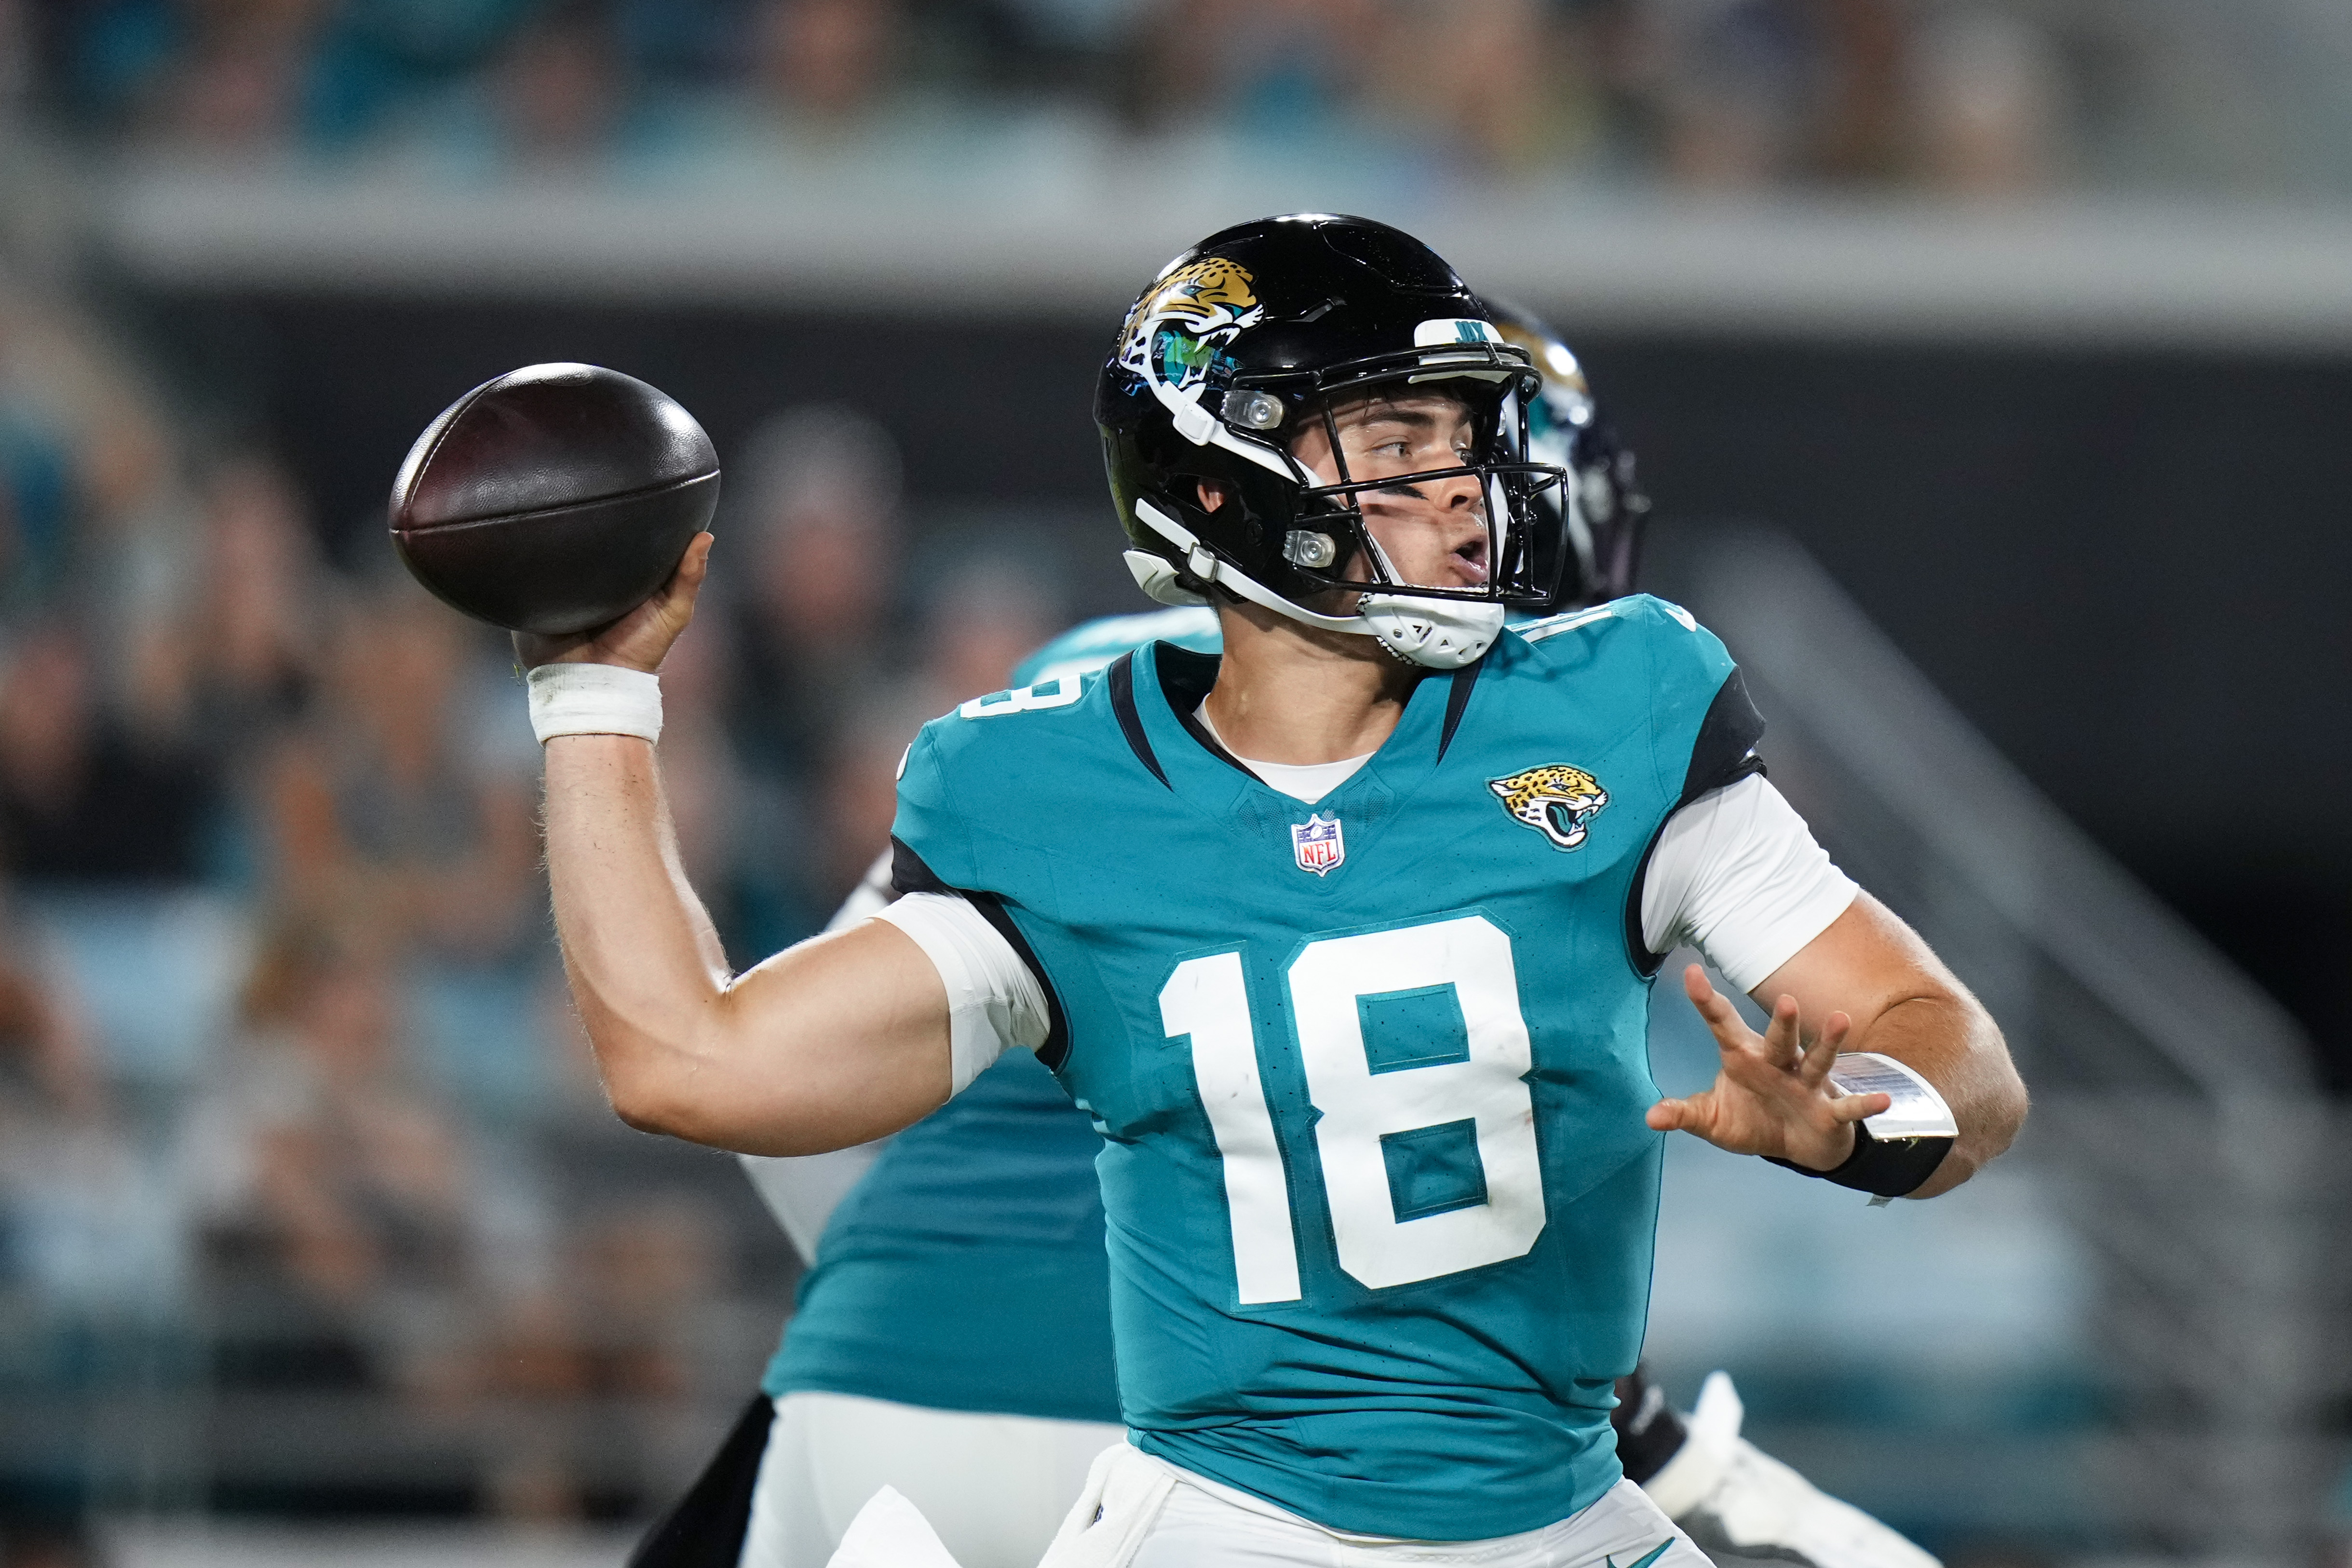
[1166, 684]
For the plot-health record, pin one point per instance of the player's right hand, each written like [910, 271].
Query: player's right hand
[638, 640]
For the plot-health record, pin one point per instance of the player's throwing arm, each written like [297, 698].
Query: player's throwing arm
[569, 504]
[835, 1042]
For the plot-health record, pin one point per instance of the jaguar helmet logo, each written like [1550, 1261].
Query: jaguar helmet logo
[1174, 331]
[1556, 800]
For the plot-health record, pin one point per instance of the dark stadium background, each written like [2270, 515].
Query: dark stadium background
[2129, 568]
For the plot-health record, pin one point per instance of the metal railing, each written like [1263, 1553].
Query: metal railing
[2176, 1111]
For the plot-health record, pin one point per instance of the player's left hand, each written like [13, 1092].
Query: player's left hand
[1772, 1095]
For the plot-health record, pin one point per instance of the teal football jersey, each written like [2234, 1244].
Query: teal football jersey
[1370, 1074]
[965, 1270]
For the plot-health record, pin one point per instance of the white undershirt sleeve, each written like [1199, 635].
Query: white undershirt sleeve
[1738, 875]
[994, 1001]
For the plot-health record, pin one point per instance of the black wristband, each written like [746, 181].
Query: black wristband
[1889, 1169]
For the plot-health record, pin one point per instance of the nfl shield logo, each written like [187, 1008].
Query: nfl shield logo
[1319, 845]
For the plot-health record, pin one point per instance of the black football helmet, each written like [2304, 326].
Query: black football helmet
[1603, 508]
[1258, 329]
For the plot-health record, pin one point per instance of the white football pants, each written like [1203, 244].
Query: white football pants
[995, 1487]
[1142, 1512]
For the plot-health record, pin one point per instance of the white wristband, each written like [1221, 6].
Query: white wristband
[595, 699]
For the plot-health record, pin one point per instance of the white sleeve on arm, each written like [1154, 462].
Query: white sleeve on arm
[1738, 875]
[995, 1002]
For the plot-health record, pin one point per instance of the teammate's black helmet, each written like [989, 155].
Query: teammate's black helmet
[1248, 336]
[1602, 507]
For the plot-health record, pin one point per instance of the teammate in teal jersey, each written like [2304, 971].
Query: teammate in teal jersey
[1379, 1169]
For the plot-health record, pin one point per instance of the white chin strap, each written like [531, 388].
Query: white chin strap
[1435, 633]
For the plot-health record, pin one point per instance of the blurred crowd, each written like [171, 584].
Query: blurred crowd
[291, 1102]
[1958, 95]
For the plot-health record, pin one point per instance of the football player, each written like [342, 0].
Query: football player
[987, 1421]
[1380, 1163]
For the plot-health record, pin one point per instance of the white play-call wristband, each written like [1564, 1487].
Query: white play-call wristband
[595, 699]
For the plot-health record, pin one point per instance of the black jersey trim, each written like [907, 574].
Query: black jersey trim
[1186, 678]
[1637, 945]
[1121, 679]
[909, 874]
[1723, 754]
[1725, 750]
[1181, 677]
[1457, 703]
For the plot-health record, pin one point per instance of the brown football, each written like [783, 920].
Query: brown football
[554, 499]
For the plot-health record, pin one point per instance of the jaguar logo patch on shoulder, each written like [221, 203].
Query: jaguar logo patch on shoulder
[1556, 800]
